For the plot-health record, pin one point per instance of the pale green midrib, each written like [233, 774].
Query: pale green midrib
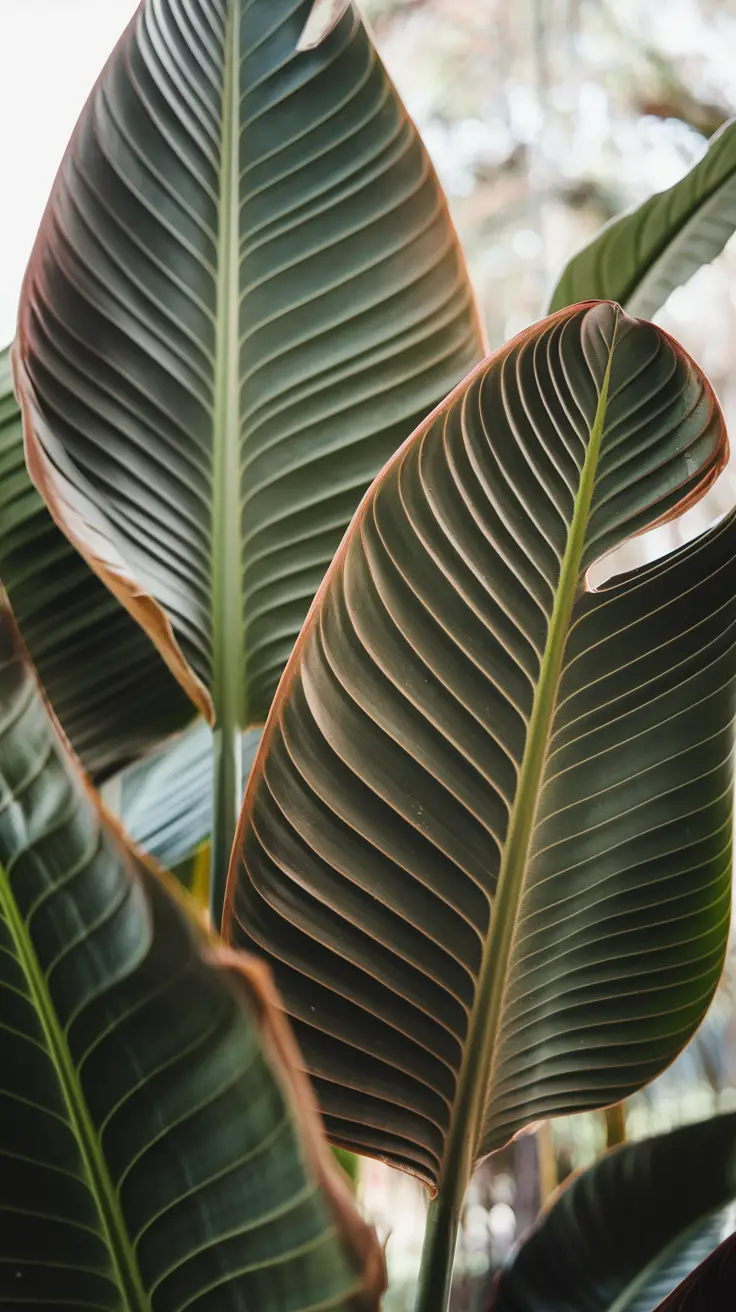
[228, 636]
[114, 1229]
[480, 1049]
[227, 605]
[622, 1303]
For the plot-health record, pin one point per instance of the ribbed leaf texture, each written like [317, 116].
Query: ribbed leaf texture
[149, 1154]
[640, 257]
[245, 292]
[625, 1232]
[712, 1288]
[111, 691]
[486, 841]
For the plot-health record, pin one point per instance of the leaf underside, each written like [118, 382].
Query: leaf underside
[625, 1232]
[245, 292]
[640, 257]
[165, 800]
[149, 1160]
[463, 723]
[112, 693]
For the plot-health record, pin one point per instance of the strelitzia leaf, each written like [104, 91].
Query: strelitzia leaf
[640, 257]
[245, 292]
[487, 839]
[159, 1148]
[624, 1233]
[112, 693]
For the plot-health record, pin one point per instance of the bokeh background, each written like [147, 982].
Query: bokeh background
[544, 119]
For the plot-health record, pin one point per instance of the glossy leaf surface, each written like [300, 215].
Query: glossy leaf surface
[111, 691]
[644, 254]
[486, 840]
[625, 1232]
[711, 1288]
[150, 1159]
[245, 292]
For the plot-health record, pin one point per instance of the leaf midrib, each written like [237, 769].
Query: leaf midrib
[227, 590]
[229, 695]
[101, 1187]
[481, 1046]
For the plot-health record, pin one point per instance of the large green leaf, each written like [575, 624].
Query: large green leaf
[245, 292]
[711, 1288]
[644, 254]
[149, 1152]
[111, 691]
[486, 840]
[623, 1234]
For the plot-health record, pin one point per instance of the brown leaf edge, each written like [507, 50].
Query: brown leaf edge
[252, 979]
[90, 540]
[358, 1238]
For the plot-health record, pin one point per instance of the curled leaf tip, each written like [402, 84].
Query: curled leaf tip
[323, 19]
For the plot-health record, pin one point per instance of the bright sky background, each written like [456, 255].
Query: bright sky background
[50, 54]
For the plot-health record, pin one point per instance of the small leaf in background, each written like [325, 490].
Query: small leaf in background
[623, 1233]
[641, 256]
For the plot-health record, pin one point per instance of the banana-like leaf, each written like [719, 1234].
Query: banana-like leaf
[245, 292]
[625, 1232]
[112, 693]
[165, 800]
[486, 840]
[644, 254]
[158, 1147]
[711, 1288]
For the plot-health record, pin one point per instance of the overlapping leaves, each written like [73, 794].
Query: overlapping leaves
[111, 691]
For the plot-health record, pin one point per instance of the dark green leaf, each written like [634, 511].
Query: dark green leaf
[643, 255]
[712, 1288]
[245, 292]
[111, 691]
[487, 844]
[625, 1232]
[149, 1155]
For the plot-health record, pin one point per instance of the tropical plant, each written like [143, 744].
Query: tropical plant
[485, 844]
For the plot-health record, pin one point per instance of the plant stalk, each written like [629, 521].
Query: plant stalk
[615, 1118]
[227, 785]
[438, 1254]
